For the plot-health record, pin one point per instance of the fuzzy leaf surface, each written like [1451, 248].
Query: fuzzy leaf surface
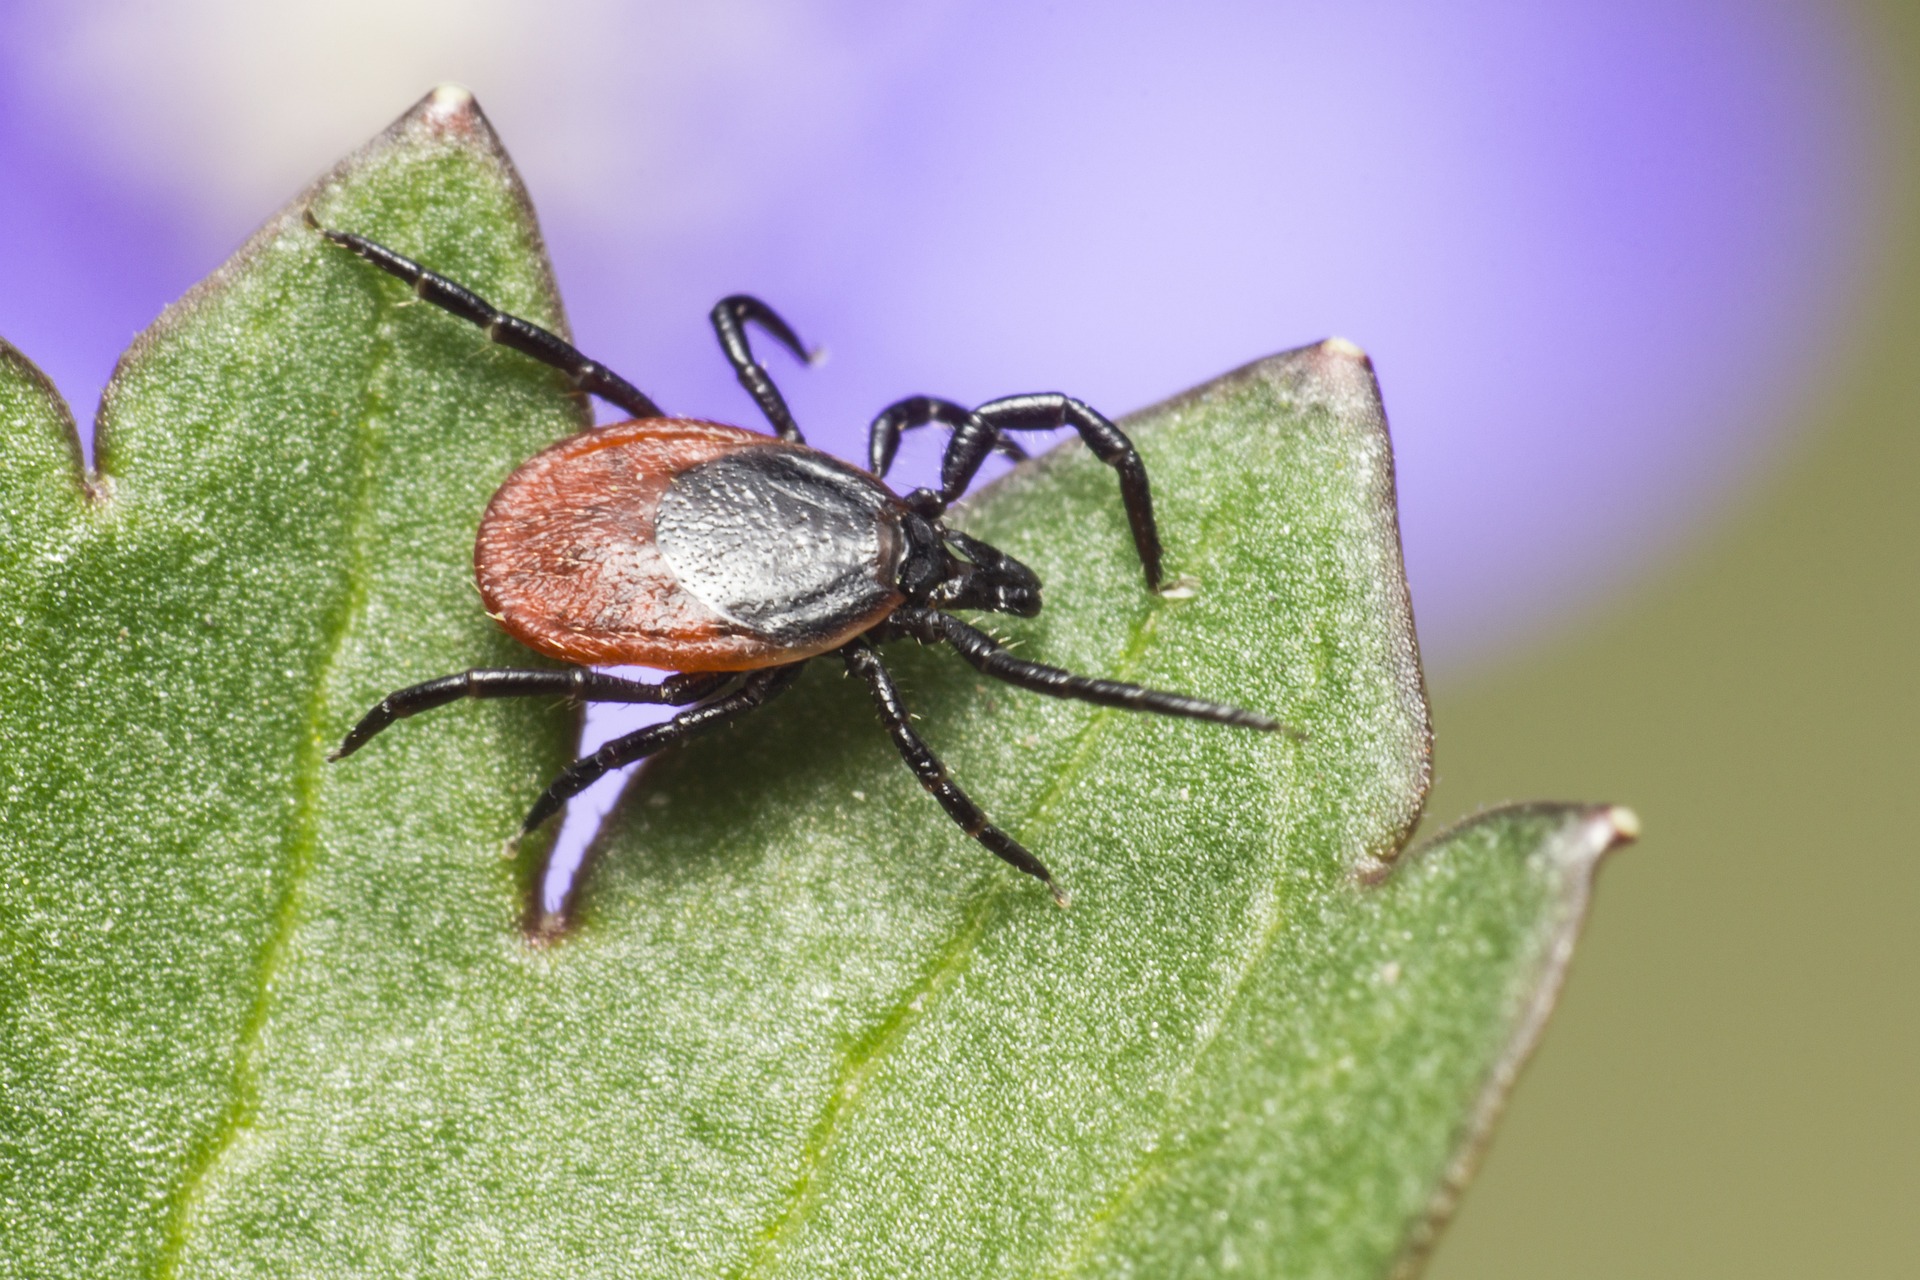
[263, 1016]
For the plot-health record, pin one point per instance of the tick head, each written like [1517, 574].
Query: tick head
[981, 576]
[1009, 587]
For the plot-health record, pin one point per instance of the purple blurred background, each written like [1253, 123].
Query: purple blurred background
[1600, 250]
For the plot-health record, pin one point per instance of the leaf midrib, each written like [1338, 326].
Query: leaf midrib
[849, 1082]
[302, 837]
[1153, 1161]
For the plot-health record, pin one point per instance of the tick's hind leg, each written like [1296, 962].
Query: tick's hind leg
[864, 662]
[523, 336]
[758, 688]
[578, 683]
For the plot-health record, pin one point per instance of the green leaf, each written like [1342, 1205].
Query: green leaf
[259, 1015]
[292, 464]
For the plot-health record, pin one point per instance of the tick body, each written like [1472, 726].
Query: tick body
[690, 546]
[732, 558]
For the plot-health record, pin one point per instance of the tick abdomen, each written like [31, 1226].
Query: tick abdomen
[687, 545]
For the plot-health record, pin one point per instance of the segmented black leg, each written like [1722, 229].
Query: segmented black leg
[865, 663]
[758, 688]
[507, 330]
[1048, 411]
[989, 658]
[730, 319]
[883, 438]
[575, 682]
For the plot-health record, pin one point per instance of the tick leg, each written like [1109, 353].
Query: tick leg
[883, 438]
[990, 658]
[760, 687]
[978, 432]
[865, 663]
[579, 683]
[1047, 411]
[508, 330]
[730, 319]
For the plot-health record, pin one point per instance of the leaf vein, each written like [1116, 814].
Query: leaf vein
[860, 1066]
[302, 836]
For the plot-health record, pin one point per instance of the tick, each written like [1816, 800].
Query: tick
[733, 558]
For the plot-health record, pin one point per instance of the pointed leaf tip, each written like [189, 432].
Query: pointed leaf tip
[1625, 823]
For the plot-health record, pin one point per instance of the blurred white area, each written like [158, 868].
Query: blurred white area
[227, 106]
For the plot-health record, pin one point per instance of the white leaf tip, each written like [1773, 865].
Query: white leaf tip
[1624, 821]
[450, 98]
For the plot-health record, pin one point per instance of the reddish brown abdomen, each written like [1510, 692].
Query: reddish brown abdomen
[568, 557]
